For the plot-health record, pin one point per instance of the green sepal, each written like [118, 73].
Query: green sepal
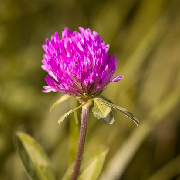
[121, 109]
[103, 112]
[92, 163]
[71, 111]
[33, 157]
[60, 100]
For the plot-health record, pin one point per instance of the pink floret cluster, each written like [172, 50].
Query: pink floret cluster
[78, 64]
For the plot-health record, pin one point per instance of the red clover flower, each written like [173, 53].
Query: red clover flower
[78, 64]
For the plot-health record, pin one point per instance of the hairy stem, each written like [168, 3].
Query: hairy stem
[81, 142]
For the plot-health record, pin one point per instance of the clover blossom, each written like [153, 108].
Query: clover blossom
[78, 64]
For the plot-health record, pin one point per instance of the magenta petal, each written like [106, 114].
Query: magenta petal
[116, 78]
[48, 89]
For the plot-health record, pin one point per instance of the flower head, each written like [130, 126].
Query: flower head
[78, 64]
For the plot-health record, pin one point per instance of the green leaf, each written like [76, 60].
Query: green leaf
[103, 112]
[71, 111]
[33, 158]
[91, 166]
[121, 109]
[60, 100]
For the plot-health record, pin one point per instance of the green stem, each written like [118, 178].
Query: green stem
[81, 142]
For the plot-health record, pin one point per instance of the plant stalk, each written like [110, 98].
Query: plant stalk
[81, 142]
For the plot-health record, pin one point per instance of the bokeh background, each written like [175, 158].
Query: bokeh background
[145, 36]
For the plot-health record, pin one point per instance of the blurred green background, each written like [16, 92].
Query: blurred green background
[145, 35]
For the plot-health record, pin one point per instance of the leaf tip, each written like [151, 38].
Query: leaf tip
[60, 120]
[137, 123]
